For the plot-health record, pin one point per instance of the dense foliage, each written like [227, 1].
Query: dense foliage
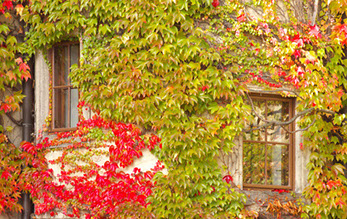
[180, 69]
[153, 68]
[12, 71]
[90, 173]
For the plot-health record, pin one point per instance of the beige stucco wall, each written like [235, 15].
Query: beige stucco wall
[41, 86]
[302, 157]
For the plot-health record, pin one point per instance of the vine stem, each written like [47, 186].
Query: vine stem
[280, 123]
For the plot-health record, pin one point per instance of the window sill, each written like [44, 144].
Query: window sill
[266, 187]
[52, 131]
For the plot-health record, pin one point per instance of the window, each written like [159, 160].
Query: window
[65, 97]
[268, 160]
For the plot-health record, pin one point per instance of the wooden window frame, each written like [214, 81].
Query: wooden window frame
[68, 86]
[291, 145]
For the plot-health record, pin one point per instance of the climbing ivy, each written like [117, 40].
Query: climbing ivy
[12, 71]
[91, 173]
[153, 68]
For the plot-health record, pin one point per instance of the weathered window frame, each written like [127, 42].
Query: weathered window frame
[291, 145]
[67, 86]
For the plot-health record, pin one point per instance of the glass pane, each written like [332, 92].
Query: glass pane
[253, 163]
[74, 53]
[278, 111]
[277, 165]
[60, 108]
[74, 109]
[61, 68]
[257, 135]
[66, 108]
[278, 134]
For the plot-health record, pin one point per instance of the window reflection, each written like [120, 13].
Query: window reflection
[254, 163]
[74, 109]
[61, 66]
[277, 165]
[65, 97]
[259, 134]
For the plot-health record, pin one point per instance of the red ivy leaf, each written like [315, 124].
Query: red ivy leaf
[23, 67]
[298, 40]
[280, 191]
[297, 54]
[341, 28]
[5, 107]
[241, 18]
[228, 178]
[6, 4]
[6, 175]
[300, 71]
[28, 147]
[314, 31]
[257, 51]
[215, 3]
[203, 88]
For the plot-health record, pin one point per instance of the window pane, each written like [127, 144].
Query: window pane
[74, 109]
[253, 163]
[277, 165]
[257, 135]
[66, 108]
[74, 53]
[60, 108]
[61, 68]
[278, 111]
[278, 134]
